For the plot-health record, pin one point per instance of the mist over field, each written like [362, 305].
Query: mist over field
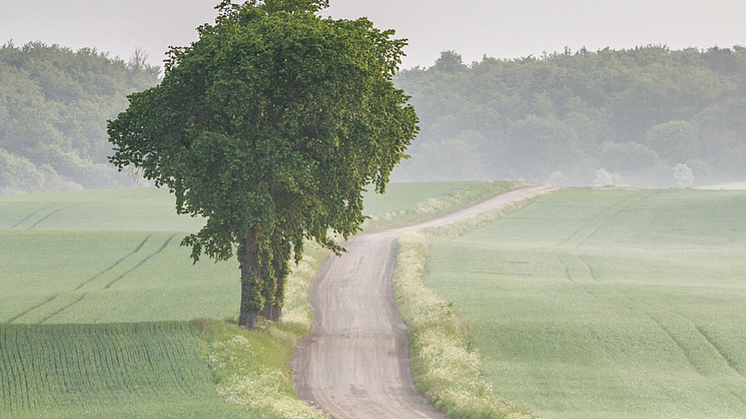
[603, 110]
[648, 117]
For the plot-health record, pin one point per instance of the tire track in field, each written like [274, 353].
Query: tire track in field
[79, 299]
[718, 358]
[695, 364]
[27, 311]
[619, 211]
[27, 217]
[604, 222]
[163, 247]
[47, 216]
[728, 360]
[587, 223]
[98, 275]
[570, 276]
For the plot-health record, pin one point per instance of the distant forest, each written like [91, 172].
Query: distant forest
[560, 118]
[54, 103]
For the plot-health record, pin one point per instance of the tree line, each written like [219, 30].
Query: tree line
[54, 104]
[638, 114]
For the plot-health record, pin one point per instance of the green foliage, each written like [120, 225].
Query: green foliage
[270, 126]
[674, 141]
[532, 117]
[146, 370]
[53, 106]
[607, 304]
[449, 62]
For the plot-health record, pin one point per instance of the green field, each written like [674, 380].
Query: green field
[96, 296]
[114, 256]
[608, 304]
[150, 370]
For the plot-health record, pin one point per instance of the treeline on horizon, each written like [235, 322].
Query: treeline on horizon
[560, 118]
[557, 119]
[54, 104]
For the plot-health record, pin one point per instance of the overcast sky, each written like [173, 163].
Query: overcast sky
[473, 28]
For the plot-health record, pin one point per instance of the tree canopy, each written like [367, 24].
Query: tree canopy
[54, 103]
[270, 126]
[636, 113]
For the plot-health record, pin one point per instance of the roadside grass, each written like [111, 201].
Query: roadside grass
[252, 368]
[607, 304]
[444, 367]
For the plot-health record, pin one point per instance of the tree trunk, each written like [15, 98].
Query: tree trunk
[276, 314]
[279, 297]
[274, 290]
[251, 299]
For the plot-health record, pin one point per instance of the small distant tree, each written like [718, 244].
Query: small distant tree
[683, 176]
[449, 62]
[602, 178]
[270, 126]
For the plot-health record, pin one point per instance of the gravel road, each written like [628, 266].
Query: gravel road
[355, 364]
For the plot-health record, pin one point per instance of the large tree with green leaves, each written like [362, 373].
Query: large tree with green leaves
[270, 126]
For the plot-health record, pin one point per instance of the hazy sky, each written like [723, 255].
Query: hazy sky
[498, 28]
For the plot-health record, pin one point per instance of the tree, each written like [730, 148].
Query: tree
[270, 126]
[683, 176]
[449, 62]
[675, 141]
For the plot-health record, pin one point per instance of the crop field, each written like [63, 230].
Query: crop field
[151, 370]
[78, 276]
[608, 303]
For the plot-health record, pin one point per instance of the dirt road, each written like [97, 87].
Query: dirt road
[355, 364]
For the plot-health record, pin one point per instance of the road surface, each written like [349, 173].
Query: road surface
[355, 364]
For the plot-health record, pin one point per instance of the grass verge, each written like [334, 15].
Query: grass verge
[252, 367]
[443, 367]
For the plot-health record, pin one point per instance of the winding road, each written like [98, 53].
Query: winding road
[355, 364]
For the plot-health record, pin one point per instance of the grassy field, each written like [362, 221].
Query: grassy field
[114, 255]
[78, 276]
[96, 298]
[608, 304]
[151, 370]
